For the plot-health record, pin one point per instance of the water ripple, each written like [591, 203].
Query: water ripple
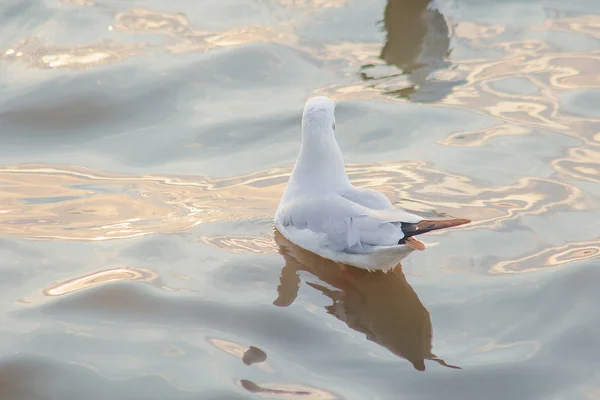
[92, 205]
[100, 277]
[550, 257]
[461, 108]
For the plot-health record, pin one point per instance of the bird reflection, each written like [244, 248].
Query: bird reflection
[381, 305]
[418, 42]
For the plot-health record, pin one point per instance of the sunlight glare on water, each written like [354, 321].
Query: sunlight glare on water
[144, 149]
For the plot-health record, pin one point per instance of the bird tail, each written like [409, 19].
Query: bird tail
[428, 225]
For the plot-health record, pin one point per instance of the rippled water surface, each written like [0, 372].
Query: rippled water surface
[144, 146]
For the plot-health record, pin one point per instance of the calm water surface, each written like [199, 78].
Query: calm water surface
[144, 146]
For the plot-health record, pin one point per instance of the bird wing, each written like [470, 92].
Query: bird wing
[345, 225]
[379, 205]
[382, 209]
[367, 197]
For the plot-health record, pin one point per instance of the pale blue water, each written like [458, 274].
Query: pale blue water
[144, 146]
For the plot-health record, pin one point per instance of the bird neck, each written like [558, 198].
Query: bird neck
[320, 165]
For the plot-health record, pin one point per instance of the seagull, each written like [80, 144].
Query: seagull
[322, 212]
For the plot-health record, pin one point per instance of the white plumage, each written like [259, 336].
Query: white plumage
[322, 212]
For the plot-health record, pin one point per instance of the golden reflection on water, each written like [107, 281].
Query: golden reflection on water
[149, 21]
[36, 53]
[472, 81]
[53, 202]
[242, 244]
[100, 277]
[581, 163]
[382, 306]
[550, 257]
[476, 32]
[189, 39]
[76, 203]
[317, 4]
[588, 25]
[287, 391]
[479, 137]
[145, 21]
[520, 84]
[415, 53]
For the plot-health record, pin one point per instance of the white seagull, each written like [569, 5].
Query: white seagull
[322, 212]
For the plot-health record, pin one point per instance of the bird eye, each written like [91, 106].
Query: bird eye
[333, 125]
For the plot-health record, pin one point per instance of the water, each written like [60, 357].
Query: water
[144, 147]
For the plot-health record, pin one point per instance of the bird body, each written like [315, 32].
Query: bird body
[322, 212]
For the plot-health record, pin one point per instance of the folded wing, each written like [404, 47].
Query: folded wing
[348, 226]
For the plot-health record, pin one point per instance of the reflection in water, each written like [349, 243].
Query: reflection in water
[523, 88]
[74, 203]
[34, 52]
[315, 4]
[254, 355]
[242, 244]
[189, 39]
[418, 42]
[581, 163]
[100, 277]
[249, 355]
[381, 305]
[550, 257]
[535, 85]
[149, 21]
[287, 391]
[519, 87]
[417, 37]
[481, 136]
[584, 24]
[140, 20]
